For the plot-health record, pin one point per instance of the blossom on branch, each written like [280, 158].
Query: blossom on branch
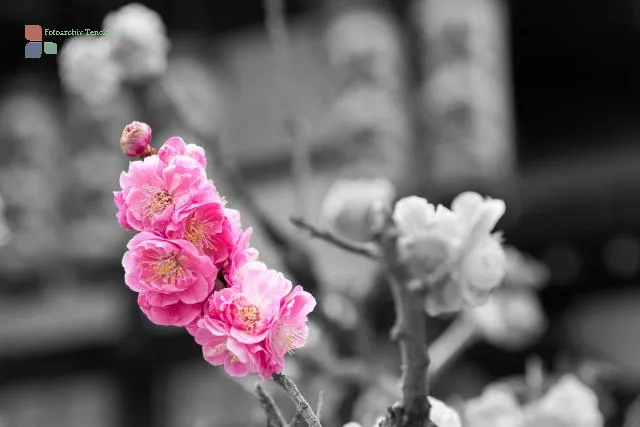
[452, 250]
[192, 265]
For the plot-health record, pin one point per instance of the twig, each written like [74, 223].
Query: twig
[459, 336]
[410, 332]
[298, 399]
[367, 250]
[278, 33]
[274, 416]
[297, 419]
[320, 405]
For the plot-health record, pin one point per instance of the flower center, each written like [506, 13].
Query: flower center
[198, 233]
[250, 315]
[158, 202]
[168, 268]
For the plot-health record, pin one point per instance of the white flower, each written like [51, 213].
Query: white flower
[141, 44]
[569, 403]
[87, 70]
[460, 240]
[347, 205]
[482, 269]
[496, 407]
[442, 415]
[510, 319]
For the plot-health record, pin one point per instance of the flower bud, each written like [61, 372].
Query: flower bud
[135, 139]
[347, 206]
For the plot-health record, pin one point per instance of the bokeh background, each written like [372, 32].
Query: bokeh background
[73, 351]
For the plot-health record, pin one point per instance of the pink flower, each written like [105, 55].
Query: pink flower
[175, 146]
[168, 272]
[251, 306]
[168, 310]
[218, 348]
[291, 330]
[241, 253]
[153, 191]
[205, 225]
[135, 139]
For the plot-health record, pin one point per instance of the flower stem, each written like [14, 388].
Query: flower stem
[298, 399]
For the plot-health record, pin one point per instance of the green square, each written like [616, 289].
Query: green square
[50, 48]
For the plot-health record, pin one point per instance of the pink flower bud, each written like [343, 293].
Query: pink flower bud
[135, 139]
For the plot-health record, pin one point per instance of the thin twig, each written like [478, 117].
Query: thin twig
[364, 249]
[274, 416]
[298, 399]
[297, 420]
[445, 350]
[278, 33]
[320, 405]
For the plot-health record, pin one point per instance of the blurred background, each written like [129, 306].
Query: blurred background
[533, 102]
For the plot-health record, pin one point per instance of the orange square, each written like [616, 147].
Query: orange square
[33, 33]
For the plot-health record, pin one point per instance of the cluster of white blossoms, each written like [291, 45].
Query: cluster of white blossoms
[94, 67]
[452, 250]
[568, 403]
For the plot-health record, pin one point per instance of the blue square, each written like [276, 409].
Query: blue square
[33, 50]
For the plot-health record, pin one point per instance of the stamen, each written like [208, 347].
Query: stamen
[157, 201]
[251, 316]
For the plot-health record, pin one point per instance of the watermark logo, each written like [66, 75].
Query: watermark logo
[35, 45]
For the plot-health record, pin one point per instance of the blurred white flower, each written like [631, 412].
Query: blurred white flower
[442, 415]
[346, 207]
[460, 240]
[569, 403]
[496, 407]
[510, 319]
[87, 69]
[352, 424]
[523, 271]
[141, 45]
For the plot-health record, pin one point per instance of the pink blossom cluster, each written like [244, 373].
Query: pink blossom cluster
[192, 265]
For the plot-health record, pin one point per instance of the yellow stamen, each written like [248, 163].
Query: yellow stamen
[251, 316]
[168, 268]
[158, 201]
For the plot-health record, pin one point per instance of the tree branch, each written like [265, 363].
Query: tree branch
[274, 416]
[298, 399]
[366, 250]
[410, 332]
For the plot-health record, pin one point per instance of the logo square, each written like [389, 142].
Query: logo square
[50, 48]
[33, 33]
[33, 50]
